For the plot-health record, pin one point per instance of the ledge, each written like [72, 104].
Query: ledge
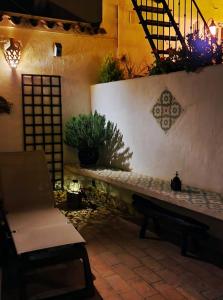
[194, 199]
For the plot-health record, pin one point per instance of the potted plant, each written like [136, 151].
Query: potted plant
[87, 133]
[110, 70]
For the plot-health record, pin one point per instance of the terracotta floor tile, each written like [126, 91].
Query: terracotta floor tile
[143, 288]
[156, 252]
[193, 281]
[172, 265]
[129, 260]
[126, 267]
[137, 252]
[114, 248]
[117, 283]
[152, 263]
[190, 293]
[109, 258]
[156, 297]
[125, 272]
[100, 266]
[213, 294]
[212, 269]
[168, 292]
[114, 296]
[147, 274]
[170, 277]
[131, 295]
[104, 289]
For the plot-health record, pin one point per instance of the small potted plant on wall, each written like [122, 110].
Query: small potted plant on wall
[110, 70]
[87, 133]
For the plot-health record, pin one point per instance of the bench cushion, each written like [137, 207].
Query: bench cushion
[34, 218]
[35, 239]
[29, 204]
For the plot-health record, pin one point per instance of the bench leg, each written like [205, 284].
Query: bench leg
[184, 243]
[142, 233]
[156, 226]
[87, 272]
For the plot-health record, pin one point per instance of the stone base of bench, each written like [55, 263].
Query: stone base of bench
[189, 228]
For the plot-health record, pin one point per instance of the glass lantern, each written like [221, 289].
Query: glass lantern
[74, 195]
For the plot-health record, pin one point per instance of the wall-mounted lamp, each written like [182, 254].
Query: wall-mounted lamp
[213, 28]
[12, 52]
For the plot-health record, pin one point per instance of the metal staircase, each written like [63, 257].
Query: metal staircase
[166, 23]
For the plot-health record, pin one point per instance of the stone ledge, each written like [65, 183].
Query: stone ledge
[194, 199]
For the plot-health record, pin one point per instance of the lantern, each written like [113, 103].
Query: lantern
[12, 52]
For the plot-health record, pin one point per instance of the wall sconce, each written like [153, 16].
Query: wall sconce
[213, 28]
[12, 52]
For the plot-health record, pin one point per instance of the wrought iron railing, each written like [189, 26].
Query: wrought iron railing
[167, 22]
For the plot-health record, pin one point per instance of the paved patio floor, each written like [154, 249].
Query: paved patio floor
[126, 267]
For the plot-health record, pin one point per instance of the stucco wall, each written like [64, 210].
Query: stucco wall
[79, 67]
[131, 36]
[193, 146]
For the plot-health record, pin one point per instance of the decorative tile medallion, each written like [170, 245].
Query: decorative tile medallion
[166, 110]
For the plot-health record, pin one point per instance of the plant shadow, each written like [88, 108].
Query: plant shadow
[114, 154]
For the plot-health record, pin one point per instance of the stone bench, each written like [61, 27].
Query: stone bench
[196, 200]
[196, 203]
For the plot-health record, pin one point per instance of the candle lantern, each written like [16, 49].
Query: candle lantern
[74, 195]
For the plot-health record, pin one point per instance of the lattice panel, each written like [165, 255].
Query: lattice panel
[42, 121]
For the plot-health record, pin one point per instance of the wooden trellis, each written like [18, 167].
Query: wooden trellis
[42, 120]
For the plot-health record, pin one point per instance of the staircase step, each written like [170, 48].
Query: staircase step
[158, 23]
[152, 9]
[162, 51]
[163, 37]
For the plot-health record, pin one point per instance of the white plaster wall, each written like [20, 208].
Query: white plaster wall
[193, 146]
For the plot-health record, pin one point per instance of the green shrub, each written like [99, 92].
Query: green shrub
[87, 131]
[110, 70]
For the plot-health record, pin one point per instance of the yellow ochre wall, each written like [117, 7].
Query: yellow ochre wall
[211, 9]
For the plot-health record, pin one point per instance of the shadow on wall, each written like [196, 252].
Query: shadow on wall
[114, 154]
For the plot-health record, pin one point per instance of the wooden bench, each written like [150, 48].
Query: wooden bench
[188, 227]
